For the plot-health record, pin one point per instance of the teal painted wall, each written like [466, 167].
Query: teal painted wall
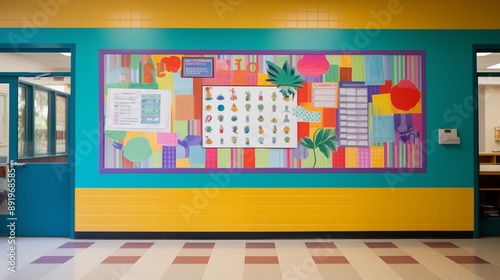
[449, 92]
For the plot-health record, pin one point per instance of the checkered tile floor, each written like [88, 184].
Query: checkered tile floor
[58, 258]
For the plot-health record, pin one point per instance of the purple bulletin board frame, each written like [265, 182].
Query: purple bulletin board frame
[398, 65]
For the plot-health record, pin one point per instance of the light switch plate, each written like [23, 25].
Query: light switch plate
[448, 136]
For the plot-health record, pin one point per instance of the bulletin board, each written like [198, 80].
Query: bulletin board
[262, 111]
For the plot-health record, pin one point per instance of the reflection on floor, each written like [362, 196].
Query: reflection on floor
[60, 258]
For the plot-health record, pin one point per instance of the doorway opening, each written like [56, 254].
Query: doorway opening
[36, 139]
[487, 176]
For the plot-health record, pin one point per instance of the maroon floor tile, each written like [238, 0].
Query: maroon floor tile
[76, 245]
[315, 245]
[261, 260]
[380, 245]
[398, 260]
[121, 260]
[52, 259]
[191, 260]
[260, 245]
[330, 260]
[440, 245]
[137, 245]
[466, 259]
[199, 245]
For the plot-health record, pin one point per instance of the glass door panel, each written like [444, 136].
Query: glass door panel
[4, 145]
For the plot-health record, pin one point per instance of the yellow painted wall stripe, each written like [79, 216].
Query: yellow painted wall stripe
[274, 209]
[364, 14]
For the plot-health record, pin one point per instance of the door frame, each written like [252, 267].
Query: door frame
[13, 78]
[479, 48]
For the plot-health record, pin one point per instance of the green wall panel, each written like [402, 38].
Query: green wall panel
[449, 95]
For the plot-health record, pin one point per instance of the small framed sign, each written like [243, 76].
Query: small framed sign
[197, 67]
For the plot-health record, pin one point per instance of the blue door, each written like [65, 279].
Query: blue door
[36, 181]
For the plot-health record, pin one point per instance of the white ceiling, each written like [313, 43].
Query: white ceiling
[34, 62]
[483, 62]
[56, 62]
[46, 63]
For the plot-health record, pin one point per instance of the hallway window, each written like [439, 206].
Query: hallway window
[21, 121]
[42, 124]
[61, 121]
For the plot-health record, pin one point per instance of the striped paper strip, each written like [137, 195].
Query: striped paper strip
[168, 159]
[249, 158]
[398, 68]
[224, 158]
[414, 69]
[338, 158]
[277, 158]
[236, 158]
[262, 158]
[211, 158]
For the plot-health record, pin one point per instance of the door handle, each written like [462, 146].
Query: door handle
[13, 163]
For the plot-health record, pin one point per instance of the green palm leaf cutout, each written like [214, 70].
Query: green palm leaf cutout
[285, 78]
[323, 139]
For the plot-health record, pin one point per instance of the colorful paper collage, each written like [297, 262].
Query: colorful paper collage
[289, 112]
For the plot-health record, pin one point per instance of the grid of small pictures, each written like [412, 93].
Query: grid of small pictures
[248, 116]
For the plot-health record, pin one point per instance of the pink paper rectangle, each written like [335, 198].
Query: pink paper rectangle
[166, 139]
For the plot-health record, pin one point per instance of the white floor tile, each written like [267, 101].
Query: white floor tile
[435, 262]
[365, 261]
[296, 260]
[155, 262]
[227, 261]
